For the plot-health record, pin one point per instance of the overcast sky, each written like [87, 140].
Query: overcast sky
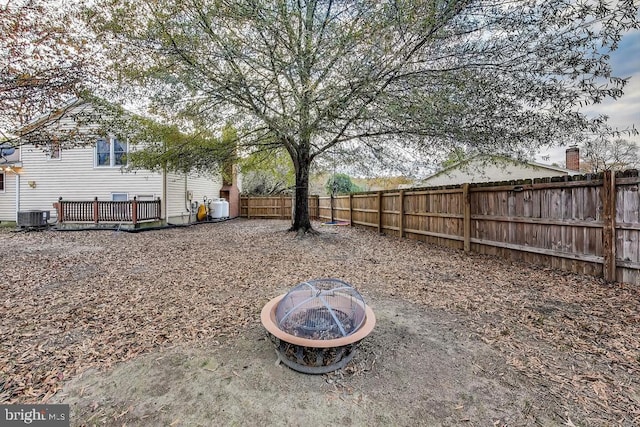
[624, 112]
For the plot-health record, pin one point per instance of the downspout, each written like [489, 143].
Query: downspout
[165, 204]
[17, 194]
[187, 201]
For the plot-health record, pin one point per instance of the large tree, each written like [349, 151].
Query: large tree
[600, 153]
[374, 79]
[45, 61]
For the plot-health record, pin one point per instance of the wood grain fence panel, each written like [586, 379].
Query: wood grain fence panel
[390, 215]
[567, 203]
[364, 211]
[536, 203]
[557, 224]
[324, 208]
[341, 208]
[577, 206]
[627, 233]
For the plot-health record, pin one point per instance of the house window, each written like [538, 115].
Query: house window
[55, 150]
[111, 152]
[119, 197]
[2, 181]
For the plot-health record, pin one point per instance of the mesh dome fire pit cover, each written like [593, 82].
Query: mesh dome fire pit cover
[322, 309]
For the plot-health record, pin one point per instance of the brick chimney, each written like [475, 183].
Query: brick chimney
[573, 158]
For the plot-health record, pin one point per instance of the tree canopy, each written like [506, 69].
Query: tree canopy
[167, 147]
[372, 80]
[45, 61]
[340, 183]
[267, 173]
[600, 154]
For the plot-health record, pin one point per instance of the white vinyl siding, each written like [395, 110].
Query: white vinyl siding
[8, 198]
[74, 177]
[177, 204]
[204, 187]
[178, 185]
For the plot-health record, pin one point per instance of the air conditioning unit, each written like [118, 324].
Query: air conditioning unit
[33, 218]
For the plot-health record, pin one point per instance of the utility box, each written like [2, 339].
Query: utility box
[33, 218]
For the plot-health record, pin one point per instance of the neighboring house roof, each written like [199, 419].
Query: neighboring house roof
[486, 168]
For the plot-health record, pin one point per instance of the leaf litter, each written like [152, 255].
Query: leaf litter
[91, 299]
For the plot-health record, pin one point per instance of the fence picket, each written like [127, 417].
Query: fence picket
[588, 225]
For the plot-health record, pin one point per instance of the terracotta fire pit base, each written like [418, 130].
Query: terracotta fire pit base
[313, 356]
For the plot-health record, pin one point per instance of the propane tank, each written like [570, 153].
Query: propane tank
[225, 208]
[216, 208]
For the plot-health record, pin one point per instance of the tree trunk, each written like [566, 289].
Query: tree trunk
[301, 221]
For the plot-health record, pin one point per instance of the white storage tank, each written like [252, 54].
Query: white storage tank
[225, 208]
[216, 208]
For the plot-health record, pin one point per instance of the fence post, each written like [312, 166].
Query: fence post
[466, 225]
[609, 225]
[249, 207]
[134, 210]
[95, 210]
[350, 210]
[401, 219]
[380, 212]
[60, 210]
[331, 205]
[282, 215]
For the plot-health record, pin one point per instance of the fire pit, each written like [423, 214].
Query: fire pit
[317, 325]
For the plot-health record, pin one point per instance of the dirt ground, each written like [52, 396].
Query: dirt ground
[162, 328]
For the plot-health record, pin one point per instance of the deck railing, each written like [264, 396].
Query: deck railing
[97, 211]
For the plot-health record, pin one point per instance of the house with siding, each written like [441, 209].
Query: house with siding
[497, 168]
[35, 177]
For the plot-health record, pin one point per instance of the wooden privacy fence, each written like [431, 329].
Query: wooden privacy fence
[96, 211]
[585, 224]
[274, 207]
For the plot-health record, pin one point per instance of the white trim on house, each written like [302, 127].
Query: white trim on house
[52, 150]
[112, 155]
[119, 197]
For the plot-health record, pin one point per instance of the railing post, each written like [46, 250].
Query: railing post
[609, 225]
[159, 209]
[95, 210]
[134, 210]
[466, 225]
[60, 210]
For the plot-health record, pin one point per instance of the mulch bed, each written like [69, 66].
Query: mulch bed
[75, 300]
